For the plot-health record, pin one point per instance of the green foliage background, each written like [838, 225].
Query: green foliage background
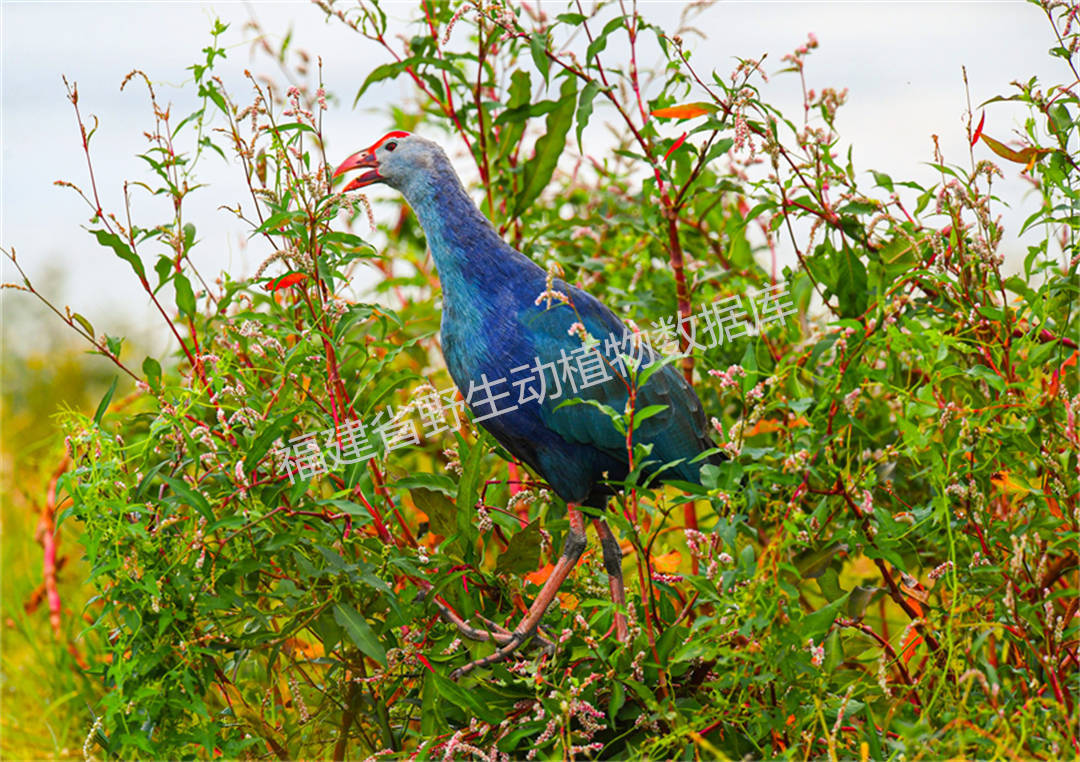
[886, 566]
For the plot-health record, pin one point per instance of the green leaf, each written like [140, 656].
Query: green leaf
[291, 126]
[379, 73]
[1059, 121]
[278, 220]
[539, 169]
[84, 323]
[417, 64]
[164, 269]
[618, 697]
[469, 486]
[813, 563]
[872, 738]
[437, 482]
[430, 705]
[209, 90]
[597, 45]
[360, 632]
[849, 283]
[266, 437]
[113, 344]
[520, 94]
[640, 416]
[829, 582]
[585, 106]
[538, 44]
[987, 375]
[525, 111]
[152, 369]
[860, 598]
[834, 652]
[883, 180]
[858, 207]
[185, 297]
[104, 404]
[189, 237]
[458, 696]
[189, 496]
[821, 620]
[441, 513]
[122, 250]
[523, 553]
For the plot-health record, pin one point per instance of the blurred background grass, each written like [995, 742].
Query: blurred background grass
[44, 371]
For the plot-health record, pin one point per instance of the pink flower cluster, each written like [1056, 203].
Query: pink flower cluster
[729, 378]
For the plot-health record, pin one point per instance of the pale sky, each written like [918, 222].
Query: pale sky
[901, 62]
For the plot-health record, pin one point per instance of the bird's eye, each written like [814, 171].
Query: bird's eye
[391, 145]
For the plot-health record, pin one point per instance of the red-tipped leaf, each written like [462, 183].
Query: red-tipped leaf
[675, 145]
[978, 130]
[286, 280]
[685, 111]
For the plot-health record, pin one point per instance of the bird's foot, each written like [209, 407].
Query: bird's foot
[494, 631]
[501, 654]
[575, 544]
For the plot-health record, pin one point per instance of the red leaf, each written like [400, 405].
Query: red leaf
[425, 662]
[675, 145]
[289, 279]
[685, 111]
[978, 130]
[539, 577]
[911, 642]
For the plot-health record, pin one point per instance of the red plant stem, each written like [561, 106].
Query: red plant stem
[485, 172]
[73, 96]
[380, 526]
[347, 716]
[682, 290]
[47, 537]
[647, 605]
[631, 32]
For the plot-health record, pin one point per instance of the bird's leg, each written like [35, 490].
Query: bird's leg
[613, 565]
[572, 550]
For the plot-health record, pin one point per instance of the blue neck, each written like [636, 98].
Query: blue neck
[471, 257]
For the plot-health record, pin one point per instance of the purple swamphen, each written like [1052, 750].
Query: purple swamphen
[496, 328]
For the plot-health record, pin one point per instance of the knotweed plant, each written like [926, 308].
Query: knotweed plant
[885, 567]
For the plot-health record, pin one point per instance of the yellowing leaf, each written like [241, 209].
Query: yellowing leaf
[303, 648]
[1009, 484]
[667, 563]
[685, 111]
[1027, 156]
[765, 426]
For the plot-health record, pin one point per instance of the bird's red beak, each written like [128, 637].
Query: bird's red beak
[360, 160]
